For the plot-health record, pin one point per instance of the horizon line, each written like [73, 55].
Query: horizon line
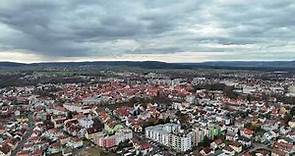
[92, 61]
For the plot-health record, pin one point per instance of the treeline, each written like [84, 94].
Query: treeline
[9, 80]
[18, 80]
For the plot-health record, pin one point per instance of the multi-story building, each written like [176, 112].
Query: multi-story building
[114, 140]
[181, 141]
[170, 135]
[107, 141]
[123, 135]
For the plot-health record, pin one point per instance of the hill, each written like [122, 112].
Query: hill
[237, 65]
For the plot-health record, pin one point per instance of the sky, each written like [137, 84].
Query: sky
[141, 30]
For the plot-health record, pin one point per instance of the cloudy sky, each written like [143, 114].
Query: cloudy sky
[162, 30]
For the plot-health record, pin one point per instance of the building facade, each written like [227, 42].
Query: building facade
[170, 135]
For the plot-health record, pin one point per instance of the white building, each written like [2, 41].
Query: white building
[77, 108]
[170, 135]
[123, 135]
[181, 142]
[85, 122]
[191, 99]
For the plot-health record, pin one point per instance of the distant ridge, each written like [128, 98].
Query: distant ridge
[11, 64]
[138, 64]
[243, 65]
[267, 65]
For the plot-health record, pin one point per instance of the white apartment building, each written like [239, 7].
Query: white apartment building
[123, 135]
[181, 142]
[170, 135]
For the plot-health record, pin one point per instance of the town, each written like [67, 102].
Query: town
[148, 112]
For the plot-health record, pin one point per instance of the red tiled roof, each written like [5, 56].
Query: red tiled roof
[145, 146]
[5, 148]
[248, 131]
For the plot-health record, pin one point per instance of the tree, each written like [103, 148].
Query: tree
[205, 142]
[289, 116]
[292, 111]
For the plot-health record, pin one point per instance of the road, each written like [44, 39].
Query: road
[255, 147]
[25, 136]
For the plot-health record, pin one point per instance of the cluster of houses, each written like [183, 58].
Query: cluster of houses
[147, 110]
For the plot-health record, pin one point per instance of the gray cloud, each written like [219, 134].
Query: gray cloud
[78, 28]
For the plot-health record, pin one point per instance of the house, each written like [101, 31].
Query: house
[111, 126]
[246, 142]
[104, 116]
[227, 121]
[268, 136]
[236, 146]
[286, 147]
[54, 148]
[206, 151]
[95, 131]
[231, 136]
[93, 134]
[5, 149]
[64, 139]
[136, 128]
[2, 129]
[261, 152]
[145, 148]
[123, 135]
[107, 141]
[52, 134]
[77, 108]
[232, 133]
[22, 120]
[56, 110]
[291, 135]
[285, 139]
[85, 122]
[147, 115]
[75, 142]
[72, 127]
[248, 133]
[23, 153]
[219, 153]
[270, 125]
[38, 152]
[122, 112]
[134, 123]
[284, 130]
[239, 123]
[59, 121]
[278, 152]
[28, 146]
[292, 123]
[67, 151]
[218, 143]
[228, 151]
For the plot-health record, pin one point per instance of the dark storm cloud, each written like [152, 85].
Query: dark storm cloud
[100, 28]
